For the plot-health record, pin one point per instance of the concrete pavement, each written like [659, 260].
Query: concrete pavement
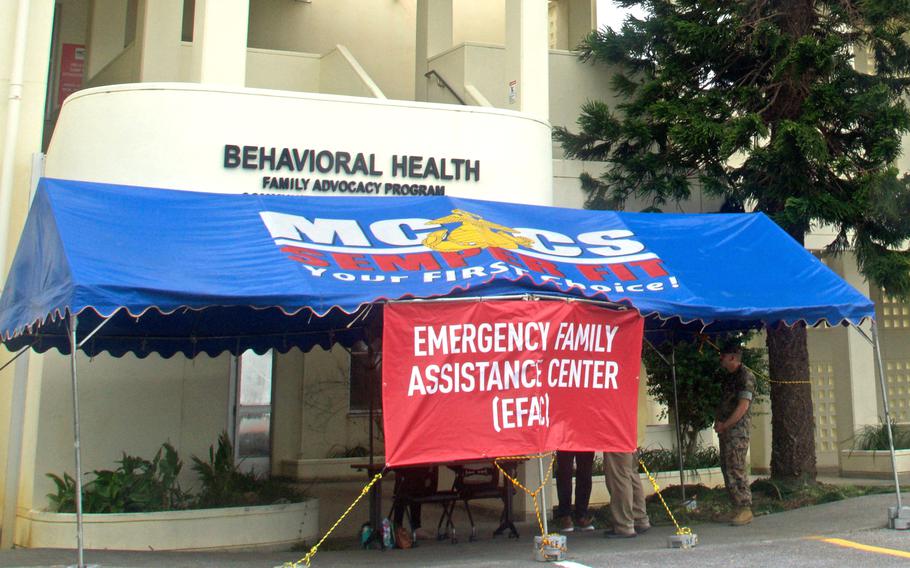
[781, 539]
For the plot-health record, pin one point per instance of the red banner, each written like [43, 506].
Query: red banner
[72, 65]
[468, 380]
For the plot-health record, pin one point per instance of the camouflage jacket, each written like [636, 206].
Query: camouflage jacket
[738, 385]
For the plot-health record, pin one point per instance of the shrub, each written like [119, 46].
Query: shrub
[660, 459]
[224, 484]
[875, 437]
[136, 485]
[140, 485]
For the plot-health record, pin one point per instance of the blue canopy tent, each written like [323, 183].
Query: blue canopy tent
[124, 269]
[178, 271]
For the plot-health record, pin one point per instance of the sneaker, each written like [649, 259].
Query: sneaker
[611, 533]
[742, 517]
[585, 523]
[564, 524]
[643, 528]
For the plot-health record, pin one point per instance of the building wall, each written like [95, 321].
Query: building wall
[478, 21]
[328, 427]
[284, 70]
[27, 142]
[106, 31]
[485, 68]
[287, 407]
[135, 126]
[380, 35]
[129, 405]
[894, 322]
[829, 373]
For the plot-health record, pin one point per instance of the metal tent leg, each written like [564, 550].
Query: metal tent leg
[76, 441]
[679, 448]
[899, 516]
[543, 496]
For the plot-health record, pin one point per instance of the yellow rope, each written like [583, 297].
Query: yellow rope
[309, 556]
[545, 538]
[679, 530]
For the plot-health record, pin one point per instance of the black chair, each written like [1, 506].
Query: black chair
[417, 486]
[478, 481]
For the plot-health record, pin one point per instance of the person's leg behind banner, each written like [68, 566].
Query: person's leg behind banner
[639, 510]
[584, 466]
[564, 466]
[616, 475]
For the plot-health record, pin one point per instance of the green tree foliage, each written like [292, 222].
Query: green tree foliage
[759, 100]
[795, 106]
[699, 382]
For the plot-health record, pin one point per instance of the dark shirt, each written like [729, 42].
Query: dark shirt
[737, 386]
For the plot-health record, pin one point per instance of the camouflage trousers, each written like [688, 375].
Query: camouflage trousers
[733, 465]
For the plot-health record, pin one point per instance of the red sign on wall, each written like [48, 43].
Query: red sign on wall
[72, 64]
[468, 380]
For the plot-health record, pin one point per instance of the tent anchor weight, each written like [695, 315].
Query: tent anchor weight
[899, 518]
[689, 540]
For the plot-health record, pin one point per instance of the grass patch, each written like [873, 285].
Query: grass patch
[768, 497]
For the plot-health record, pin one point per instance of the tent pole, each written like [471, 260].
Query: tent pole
[76, 440]
[94, 331]
[679, 448]
[543, 497]
[372, 410]
[10, 362]
[881, 377]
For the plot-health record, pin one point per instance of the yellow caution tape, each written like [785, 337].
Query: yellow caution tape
[679, 530]
[545, 541]
[309, 556]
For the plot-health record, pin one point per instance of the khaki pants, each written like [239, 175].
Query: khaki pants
[627, 499]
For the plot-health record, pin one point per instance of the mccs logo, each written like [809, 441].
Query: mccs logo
[463, 246]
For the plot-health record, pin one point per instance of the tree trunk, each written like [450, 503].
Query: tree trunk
[792, 421]
[690, 443]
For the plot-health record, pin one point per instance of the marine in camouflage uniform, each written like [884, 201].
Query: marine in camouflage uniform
[738, 390]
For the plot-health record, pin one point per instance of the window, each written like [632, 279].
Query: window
[189, 20]
[253, 425]
[366, 378]
[132, 17]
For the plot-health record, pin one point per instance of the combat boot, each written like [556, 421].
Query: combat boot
[742, 517]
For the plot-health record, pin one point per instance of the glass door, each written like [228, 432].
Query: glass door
[253, 412]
